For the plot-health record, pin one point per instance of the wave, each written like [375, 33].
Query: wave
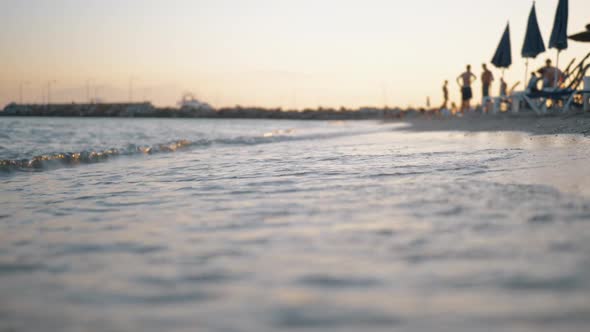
[66, 159]
[56, 160]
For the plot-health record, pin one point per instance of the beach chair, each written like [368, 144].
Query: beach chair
[565, 96]
[537, 100]
[507, 100]
[584, 96]
[575, 77]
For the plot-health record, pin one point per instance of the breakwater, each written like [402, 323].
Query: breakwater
[238, 112]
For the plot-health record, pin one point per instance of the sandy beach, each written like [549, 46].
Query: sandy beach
[552, 124]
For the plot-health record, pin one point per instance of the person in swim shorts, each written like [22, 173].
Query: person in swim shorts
[465, 81]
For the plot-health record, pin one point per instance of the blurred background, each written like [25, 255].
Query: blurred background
[290, 54]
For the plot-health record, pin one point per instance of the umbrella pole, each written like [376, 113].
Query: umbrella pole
[556, 68]
[503, 69]
[526, 71]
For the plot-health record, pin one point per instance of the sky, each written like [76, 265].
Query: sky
[271, 53]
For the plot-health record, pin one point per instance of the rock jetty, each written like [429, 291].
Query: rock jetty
[147, 110]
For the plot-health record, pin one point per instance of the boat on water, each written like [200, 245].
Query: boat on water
[189, 101]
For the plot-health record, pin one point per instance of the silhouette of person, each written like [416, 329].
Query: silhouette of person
[503, 88]
[465, 80]
[548, 73]
[445, 90]
[486, 81]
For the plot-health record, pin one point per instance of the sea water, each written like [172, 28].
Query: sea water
[261, 225]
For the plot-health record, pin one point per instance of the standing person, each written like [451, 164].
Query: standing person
[465, 80]
[445, 90]
[503, 88]
[486, 80]
[548, 73]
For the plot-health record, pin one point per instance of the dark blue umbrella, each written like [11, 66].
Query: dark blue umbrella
[559, 33]
[558, 38]
[583, 36]
[533, 40]
[503, 56]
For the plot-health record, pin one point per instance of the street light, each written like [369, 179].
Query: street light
[88, 81]
[49, 83]
[96, 93]
[131, 80]
[131, 89]
[146, 92]
[20, 91]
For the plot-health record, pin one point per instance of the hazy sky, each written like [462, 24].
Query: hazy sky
[289, 53]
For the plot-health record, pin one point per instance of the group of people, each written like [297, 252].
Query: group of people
[549, 75]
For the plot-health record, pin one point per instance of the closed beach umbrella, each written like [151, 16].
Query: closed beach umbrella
[583, 36]
[558, 38]
[533, 40]
[503, 57]
[559, 33]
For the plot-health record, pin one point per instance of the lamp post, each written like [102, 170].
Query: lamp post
[131, 80]
[20, 91]
[384, 94]
[88, 81]
[96, 93]
[49, 83]
[146, 92]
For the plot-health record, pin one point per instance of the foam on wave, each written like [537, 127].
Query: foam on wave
[65, 159]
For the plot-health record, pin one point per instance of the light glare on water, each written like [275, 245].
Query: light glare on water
[280, 225]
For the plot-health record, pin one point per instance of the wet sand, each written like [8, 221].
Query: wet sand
[336, 226]
[557, 135]
[569, 123]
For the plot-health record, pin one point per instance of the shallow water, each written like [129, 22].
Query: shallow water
[286, 225]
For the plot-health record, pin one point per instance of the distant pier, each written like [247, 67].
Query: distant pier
[147, 110]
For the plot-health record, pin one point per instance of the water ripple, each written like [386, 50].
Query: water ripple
[327, 281]
[123, 247]
[308, 317]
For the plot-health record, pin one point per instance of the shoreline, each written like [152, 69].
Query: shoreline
[418, 120]
[574, 123]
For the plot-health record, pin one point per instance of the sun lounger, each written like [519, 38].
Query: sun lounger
[498, 101]
[585, 94]
[537, 100]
